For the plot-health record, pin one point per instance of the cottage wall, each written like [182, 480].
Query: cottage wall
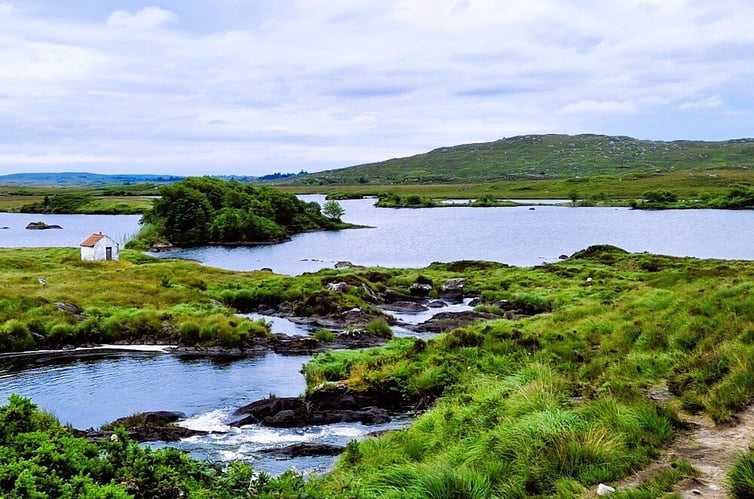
[98, 252]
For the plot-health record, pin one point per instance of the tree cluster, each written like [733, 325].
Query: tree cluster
[205, 210]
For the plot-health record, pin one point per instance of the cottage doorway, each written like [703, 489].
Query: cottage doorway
[108, 253]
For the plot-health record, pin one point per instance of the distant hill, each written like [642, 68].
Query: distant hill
[83, 179]
[70, 179]
[542, 156]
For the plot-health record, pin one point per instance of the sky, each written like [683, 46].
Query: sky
[242, 87]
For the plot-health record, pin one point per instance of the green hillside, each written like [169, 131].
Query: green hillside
[543, 156]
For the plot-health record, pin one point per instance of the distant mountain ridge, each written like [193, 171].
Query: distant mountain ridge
[543, 156]
[70, 179]
[66, 179]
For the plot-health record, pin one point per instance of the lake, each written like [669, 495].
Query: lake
[519, 236]
[407, 237]
[75, 228]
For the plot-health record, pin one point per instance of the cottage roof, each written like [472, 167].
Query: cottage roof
[92, 240]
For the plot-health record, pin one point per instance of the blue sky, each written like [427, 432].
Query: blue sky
[253, 87]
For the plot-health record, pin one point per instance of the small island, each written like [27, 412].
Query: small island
[209, 211]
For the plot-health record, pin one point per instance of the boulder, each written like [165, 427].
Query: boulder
[418, 289]
[68, 307]
[338, 287]
[437, 304]
[452, 289]
[161, 247]
[305, 449]
[145, 427]
[392, 295]
[405, 307]
[445, 321]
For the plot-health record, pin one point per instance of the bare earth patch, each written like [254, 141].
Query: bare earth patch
[709, 448]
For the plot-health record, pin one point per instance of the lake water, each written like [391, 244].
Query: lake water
[95, 388]
[75, 228]
[518, 236]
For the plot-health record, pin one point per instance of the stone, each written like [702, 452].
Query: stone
[418, 289]
[305, 449]
[404, 306]
[604, 490]
[452, 289]
[41, 226]
[338, 287]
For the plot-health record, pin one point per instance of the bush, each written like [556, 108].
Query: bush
[15, 337]
[324, 335]
[379, 328]
[741, 476]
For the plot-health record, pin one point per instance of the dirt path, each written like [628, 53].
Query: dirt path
[709, 448]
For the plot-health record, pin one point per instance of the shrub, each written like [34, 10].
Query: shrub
[379, 328]
[323, 335]
[15, 336]
[741, 476]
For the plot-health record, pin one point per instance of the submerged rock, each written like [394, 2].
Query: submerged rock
[305, 449]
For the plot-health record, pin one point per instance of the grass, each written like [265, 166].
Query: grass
[541, 157]
[119, 301]
[596, 190]
[548, 405]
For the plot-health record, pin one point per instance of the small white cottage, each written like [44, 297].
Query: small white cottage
[98, 247]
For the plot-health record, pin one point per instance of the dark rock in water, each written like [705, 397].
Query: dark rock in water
[419, 289]
[145, 427]
[261, 409]
[445, 321]
[160, 247]
[392, 295]
[405, 306]
[305, 449]
[324, 406]
[41, 226]
[437, 304]
[452, 289]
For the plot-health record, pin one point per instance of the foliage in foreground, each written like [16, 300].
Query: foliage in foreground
[40, 459]
[741, 476]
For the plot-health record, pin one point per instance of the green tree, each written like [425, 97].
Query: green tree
[333, 210]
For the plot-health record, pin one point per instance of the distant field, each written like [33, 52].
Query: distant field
[685, 183]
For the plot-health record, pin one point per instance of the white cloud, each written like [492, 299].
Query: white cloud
[250, 87]
[593, 106]
[709, 102]
[146, 18]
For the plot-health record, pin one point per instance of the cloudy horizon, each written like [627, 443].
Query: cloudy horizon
[250, 88]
